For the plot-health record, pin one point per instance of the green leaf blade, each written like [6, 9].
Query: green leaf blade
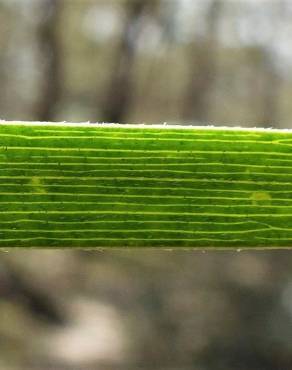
[99, 186]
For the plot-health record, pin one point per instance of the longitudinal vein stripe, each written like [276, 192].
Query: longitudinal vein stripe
[115, 222]
[163, 165]
[129, 204]
[144, 139]
[58, 196]
[154, 151]
[110, 186]
[145, 172]
[145, 189]
[131, 231]
[144, 179]
[127, 213]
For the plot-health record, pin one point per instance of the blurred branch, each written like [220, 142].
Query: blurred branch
[266, 88]
[18, 287]
[202, 68]
[50, 50]
[120, 88]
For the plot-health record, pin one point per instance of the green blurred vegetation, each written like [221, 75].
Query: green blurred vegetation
[151, 61]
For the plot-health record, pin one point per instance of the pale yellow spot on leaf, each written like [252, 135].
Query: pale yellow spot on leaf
[260, 197]
[37, 185]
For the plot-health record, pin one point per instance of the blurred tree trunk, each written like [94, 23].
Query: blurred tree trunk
[202, 68]
[264, 86]
[50, 50]
[15, 285]
[269, 109]
[120, 88]
[271, 80]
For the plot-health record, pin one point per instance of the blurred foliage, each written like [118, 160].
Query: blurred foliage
[146, 310]
[219, 61]
[152, 61]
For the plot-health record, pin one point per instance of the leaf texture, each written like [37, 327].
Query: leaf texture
[90, 186]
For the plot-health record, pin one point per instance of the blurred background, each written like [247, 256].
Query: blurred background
[222, 62]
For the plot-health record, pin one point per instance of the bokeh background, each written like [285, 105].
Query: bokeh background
[221, 62]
